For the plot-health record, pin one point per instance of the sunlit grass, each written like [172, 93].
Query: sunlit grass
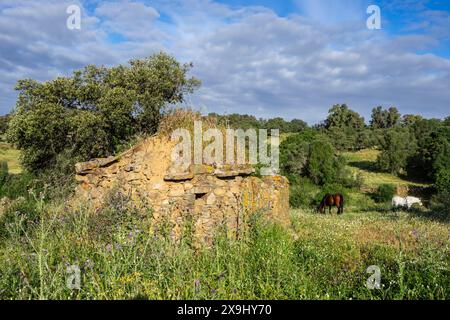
[363, 162]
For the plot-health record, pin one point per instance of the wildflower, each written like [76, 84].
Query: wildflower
[415, 233]
[109, 247]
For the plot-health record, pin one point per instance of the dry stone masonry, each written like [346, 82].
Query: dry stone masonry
[205, 196]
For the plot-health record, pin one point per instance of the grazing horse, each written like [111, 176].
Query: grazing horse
[408, 202]
[331, 200]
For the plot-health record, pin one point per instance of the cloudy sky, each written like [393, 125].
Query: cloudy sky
[292, 58]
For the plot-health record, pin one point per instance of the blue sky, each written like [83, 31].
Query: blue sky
[292, 58]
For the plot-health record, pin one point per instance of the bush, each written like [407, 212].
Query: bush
[302, 193]
[345, 126]
[385, 193]
[3, 173]
[22, 214]
[433, 149]
[440, 204]
[443, 180]
[349, 179]
[294, 154]
[3, 124]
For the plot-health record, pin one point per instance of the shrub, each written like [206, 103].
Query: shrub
[308, 160]
[19, 185]
[322, 165]
[22, 214]
[349, 179]
[440, 204]
[331, 188]
[294, 154]
[3, 124]
[302, 193]
[344, 126]
[385, 193]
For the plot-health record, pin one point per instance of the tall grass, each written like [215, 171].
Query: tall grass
[121, 257]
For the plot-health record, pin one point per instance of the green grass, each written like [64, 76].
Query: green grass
[11, 156]
[363, 162]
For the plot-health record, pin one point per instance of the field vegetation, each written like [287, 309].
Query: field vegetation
[98, 111]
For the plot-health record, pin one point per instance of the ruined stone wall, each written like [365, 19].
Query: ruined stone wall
[205, 196]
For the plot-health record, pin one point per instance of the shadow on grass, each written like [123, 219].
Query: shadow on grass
[365, 165]
[430, 215]
[371, 166]
[420, 213]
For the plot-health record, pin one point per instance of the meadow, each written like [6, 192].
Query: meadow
[11, 156]
[316, 257]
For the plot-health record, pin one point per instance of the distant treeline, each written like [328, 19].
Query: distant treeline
[410, 144]
[245, 121]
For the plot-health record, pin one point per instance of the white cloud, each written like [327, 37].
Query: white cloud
[133, 20]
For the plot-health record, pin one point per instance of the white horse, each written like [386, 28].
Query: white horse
[410, 201]
[407, 202]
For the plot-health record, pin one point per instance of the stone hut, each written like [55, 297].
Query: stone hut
[207, 195]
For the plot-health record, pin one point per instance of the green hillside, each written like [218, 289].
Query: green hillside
[363, 162]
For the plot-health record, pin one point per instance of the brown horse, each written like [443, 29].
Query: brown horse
[330, 200]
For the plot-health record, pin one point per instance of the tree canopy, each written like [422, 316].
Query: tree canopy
[384, 119]
[397, 145]
[90, 113]
[245, 121]
[345, 128]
